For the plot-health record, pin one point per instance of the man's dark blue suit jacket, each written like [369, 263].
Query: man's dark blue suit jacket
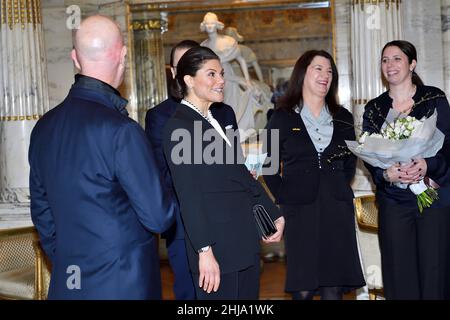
[97, 197]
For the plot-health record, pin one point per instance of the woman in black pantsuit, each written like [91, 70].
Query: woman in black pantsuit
[313, 187]
[415, 247]
[216, 191]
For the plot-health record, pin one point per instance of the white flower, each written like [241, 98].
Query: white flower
[363, 137]
[401, 128]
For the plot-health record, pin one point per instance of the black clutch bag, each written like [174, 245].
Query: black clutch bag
[264, 222]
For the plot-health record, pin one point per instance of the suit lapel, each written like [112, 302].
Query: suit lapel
[337, 127]
[195, 116]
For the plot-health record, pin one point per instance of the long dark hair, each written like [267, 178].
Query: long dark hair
[294, 92]
[410, 51]
[189, 64]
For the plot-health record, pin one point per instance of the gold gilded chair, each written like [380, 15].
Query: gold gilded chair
[24, 269]
[367, 212]
[367, 218]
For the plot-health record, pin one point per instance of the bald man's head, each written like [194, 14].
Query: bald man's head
[99, 51]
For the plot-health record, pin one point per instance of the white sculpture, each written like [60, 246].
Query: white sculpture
[248, 54]
[249, 99]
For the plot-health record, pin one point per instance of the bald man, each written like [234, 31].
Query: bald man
[96, 195]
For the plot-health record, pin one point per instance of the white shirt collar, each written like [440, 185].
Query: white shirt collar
[210, 119]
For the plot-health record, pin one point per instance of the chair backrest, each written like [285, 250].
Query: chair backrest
[367, 218]
[24, 270]
[366, 212]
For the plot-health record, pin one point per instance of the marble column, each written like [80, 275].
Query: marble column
[373, 23]
[148, 67]
[445, 9]
[24, 94]
[341, 49]
[422, 26]
[58, 44]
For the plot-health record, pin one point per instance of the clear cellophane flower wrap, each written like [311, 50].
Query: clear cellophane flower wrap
[381, 150]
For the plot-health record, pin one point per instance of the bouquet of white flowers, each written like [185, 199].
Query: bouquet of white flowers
[401, 139]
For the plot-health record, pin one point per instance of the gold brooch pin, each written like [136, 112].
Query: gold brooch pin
[295, 129]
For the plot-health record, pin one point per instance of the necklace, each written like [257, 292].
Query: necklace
[411, 94]
[405, 106]
[207, 117]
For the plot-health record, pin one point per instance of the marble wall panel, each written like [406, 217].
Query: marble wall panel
[343, 50]
[14, 216]
[58, 44]
[423, 27]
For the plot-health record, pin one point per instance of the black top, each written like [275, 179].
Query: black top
[426, 100]
[216, 197]
[302, 166]
[155, 120]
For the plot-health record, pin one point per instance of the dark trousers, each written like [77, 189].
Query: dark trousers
[183, 285]
[415, 252]
[239, 285]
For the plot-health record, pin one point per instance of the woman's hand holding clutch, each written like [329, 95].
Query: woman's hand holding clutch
[276, 237]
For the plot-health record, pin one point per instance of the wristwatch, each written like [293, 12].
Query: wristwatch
[204, 249]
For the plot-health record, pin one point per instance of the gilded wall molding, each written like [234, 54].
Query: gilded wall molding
[333, 28]
[360, 101]
[2, 11]
[20, 118]
[20, 12]
[149, 24]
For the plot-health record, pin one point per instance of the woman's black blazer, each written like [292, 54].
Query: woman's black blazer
[216, 199]
[302, 169]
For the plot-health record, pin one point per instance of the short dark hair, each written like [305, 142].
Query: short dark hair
[184, 44]
[189, 64]
[294, 92]
[410, 51]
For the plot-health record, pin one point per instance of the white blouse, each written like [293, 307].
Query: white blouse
[210, 119]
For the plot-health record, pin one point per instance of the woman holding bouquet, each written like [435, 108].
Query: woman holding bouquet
[313, 187]
[415, 247]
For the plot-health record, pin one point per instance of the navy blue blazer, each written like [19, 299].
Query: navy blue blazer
[155, 120]
[97, 197]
